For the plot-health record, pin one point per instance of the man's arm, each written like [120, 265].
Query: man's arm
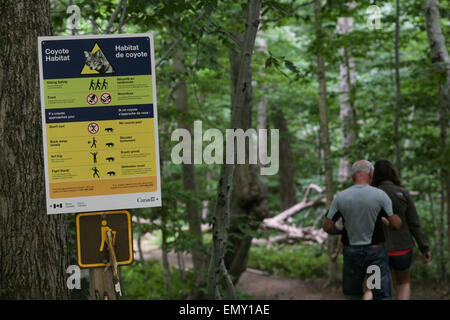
[331, 217]
[329, 226]
[395, 222]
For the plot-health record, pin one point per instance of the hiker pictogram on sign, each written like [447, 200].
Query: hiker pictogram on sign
[96, 171]
[94, 155]
[97, 85]
[92, 238]
[96, 62]
[93, 143]
[103, 231]
[92, 98]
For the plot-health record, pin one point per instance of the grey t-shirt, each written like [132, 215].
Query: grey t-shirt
[361, 208]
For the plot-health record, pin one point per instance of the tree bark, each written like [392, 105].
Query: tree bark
[163, 211]
[33, 249]
[165, 254]
[398, 105]
[264, 100]
[324, 138]
[188, 170]
[249, 194]
[190, 184]
[349, 132]
[113, 17]
[217, 270]
[439, 54]
[288, 193]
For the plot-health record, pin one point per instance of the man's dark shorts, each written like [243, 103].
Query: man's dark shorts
[356, 261]
[401, 263]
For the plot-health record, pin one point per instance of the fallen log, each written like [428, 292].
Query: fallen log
[291, 232]
[302, 205]
[305, 235]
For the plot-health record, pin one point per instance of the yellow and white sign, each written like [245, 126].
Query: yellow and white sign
[99, 115]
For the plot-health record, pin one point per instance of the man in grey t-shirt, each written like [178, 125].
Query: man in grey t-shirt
[362, 208]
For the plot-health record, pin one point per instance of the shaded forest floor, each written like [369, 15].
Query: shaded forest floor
[262, 285]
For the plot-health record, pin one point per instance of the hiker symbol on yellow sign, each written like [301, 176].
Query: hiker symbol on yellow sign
[91, 237]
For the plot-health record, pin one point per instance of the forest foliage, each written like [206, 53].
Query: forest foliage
[284, 77]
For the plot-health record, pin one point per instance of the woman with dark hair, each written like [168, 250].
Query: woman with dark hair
[400, 243]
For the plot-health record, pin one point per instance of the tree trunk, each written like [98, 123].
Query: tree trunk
[439, 54]
[190, 184]
[189, 181]
[324, 139]
[33, 250]
[248, 198]
[163, 211]
[139, 242]
[165, 254]
[264, 100]
[217, 270]
[288, 193]
[349, 132]
[249, 195]
[398, 105]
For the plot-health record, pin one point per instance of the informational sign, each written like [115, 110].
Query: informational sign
[99, 116]
[92, 245]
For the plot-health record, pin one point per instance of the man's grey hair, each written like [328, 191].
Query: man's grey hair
[362, 166]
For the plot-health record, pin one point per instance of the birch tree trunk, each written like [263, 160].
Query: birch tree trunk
[349, 132]
[439, 54]
[324, 138]
[398, 105]
[217, 271]
[263, 102]
[33, 249]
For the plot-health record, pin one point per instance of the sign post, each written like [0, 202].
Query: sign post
[100, 131]
[104, 242]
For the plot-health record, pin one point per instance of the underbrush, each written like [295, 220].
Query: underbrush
[311, 262]
[146, 281]
[290, 261]
[424, 272]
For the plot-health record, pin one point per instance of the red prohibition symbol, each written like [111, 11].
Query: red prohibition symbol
[93, 128]
[92, 98]
[105, 98]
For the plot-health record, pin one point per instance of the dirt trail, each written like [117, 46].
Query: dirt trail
[262, 285]
[258, 283]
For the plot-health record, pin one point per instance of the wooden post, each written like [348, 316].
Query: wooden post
[105, 282]
[99, 233]
[101, 284]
